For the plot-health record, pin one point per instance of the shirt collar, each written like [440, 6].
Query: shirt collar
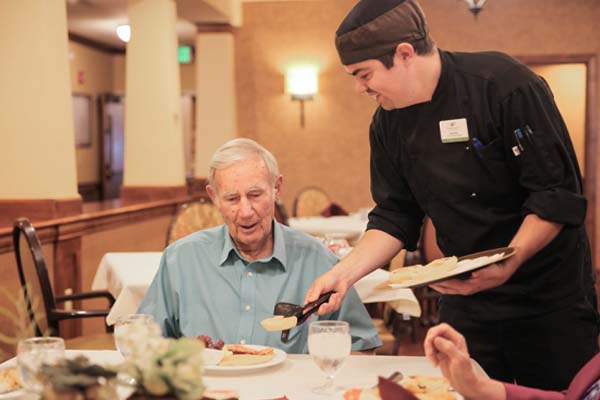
[279, 252]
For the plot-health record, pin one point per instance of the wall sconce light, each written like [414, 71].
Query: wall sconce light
[124, 32]
[302, 83]
[475, 6]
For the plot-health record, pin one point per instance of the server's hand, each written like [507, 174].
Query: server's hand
[480, 280]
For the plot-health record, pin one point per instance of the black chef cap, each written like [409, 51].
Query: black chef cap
[374, 28]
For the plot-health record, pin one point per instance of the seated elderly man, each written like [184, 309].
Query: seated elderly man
[223, 281]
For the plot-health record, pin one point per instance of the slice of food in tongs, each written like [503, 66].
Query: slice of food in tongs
[288, 315]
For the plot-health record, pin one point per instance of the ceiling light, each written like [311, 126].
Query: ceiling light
[124, 32]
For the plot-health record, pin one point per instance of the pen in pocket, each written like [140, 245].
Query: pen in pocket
[477, 145]
[518, 137]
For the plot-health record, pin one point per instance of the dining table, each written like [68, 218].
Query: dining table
[294, 377]
[349, 227]
[127, 276]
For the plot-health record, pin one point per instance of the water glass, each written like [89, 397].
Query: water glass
[32, 353]
[122, 328]
[329, 344]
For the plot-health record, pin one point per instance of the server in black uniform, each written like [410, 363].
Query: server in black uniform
[474, 141]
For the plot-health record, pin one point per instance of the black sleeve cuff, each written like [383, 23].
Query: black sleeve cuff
[401, 226]
[557, 205]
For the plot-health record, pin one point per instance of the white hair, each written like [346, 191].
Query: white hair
[241, 149]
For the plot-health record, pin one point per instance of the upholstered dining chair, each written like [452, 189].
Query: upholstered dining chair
[37, 288]
[281, 214]
[192, 217]
[310, 201]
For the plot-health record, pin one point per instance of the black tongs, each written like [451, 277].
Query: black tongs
[300, 312]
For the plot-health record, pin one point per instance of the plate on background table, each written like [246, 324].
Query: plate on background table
[466, 265]
[278, 357]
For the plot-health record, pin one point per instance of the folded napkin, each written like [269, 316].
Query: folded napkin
[333, 209]
[389, 390]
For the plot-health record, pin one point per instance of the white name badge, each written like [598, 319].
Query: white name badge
[454, 130]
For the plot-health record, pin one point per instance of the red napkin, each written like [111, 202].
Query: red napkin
[333, 209]
[389, 390]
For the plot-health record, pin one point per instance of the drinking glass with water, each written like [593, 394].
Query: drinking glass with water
[32, 353]
[329, 344]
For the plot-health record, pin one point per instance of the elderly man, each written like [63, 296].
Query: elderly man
[223, 281]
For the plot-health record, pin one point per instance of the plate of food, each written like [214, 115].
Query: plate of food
[423, 387]
[237, 357]
[446, 268]
[10, 383]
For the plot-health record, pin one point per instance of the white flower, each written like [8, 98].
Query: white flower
[163, 366]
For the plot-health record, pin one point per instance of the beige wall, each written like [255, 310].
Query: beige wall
[95, 67]
[567, 82]
[332, 150]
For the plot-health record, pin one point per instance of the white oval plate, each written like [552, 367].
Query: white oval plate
[278, 358]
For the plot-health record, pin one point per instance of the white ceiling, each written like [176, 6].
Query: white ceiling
[96, 20]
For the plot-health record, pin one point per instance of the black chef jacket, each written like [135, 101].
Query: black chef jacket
[477, 192]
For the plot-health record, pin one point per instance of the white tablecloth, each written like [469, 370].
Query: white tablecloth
[127, 276]
[293, 378]
[350, 227]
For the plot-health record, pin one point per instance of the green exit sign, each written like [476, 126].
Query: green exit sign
[185, 54]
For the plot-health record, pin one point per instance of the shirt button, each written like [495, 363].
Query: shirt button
[247, 308]
[249, 274]
[473, 194]
[467, 147]
[243, 341]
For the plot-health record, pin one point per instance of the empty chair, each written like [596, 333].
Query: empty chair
[310, 201]
[429, 251]
[37, 289]
[281, 214]
[192, 217]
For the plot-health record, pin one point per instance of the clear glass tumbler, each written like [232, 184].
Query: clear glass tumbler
[32, 353]
[122, 330]
[329, 344]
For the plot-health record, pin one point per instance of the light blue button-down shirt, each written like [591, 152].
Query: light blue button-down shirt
[205, 287]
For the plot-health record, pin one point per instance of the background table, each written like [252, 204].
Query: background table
[350, 227]
[127, 277]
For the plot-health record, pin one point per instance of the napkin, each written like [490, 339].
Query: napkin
[333, 209]
[389, 390]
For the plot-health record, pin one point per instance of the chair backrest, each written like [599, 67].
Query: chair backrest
[33, 275]
[281, 214]
[310, 201]
[192, 217]
[429, 248]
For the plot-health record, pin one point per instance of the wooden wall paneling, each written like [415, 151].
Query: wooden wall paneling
[67, 275]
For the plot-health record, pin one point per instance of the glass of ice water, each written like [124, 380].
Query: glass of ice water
[329, 344]
[32, 353]
[122, 330]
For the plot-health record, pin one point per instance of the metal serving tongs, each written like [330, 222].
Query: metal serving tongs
[300, 312]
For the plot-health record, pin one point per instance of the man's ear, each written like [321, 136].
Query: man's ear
[277, 187]
[404, 52]
[212, 194]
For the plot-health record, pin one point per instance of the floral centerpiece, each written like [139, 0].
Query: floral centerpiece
[162, 367]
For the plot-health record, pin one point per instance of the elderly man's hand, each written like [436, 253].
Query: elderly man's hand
[480, 280]
[332, 280]
[447, 349]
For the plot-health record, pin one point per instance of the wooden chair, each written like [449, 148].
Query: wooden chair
[192, 217]
[33, 275]
[429, 251]
[310, 201]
